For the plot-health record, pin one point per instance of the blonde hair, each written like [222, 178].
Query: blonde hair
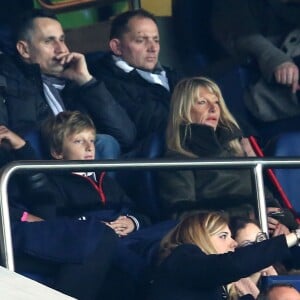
[194, 229]
[197, 229]
[185, 95]
[56, 128]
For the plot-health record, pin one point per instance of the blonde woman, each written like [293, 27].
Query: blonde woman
[201, 126]
[199, 260]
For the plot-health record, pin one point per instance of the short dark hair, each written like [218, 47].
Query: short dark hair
[119, 25]
[237, 223]
[264, 295]
[24, 23]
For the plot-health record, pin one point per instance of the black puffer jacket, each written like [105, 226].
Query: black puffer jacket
[230, 190]
[146, 104]
[25, 106]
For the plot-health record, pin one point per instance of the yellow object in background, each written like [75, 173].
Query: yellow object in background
[158, 7]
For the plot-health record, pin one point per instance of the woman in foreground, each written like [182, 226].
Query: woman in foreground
[199, 260]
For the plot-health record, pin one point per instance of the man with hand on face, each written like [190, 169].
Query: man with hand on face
[133, 74]
[44, 78]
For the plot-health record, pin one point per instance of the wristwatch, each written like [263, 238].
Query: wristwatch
[297, 232]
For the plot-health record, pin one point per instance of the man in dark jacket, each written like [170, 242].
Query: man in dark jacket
[134, 76]
[44, 78]
[266, 35]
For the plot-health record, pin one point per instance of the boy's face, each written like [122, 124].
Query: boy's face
[78, 146]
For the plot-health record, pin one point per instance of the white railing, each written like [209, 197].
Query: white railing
[257, 165]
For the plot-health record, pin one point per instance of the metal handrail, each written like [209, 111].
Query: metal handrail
[257, 165]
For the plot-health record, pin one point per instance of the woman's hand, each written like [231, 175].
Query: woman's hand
[246, 145]
[273, 223]
[246, 286]
[281, 229]
[270, 271]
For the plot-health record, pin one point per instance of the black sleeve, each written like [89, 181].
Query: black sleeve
[39, 195]
[247, 297]
[25, 153]
[16, 211]
[3, 107]
[189, 265]
[109, 117]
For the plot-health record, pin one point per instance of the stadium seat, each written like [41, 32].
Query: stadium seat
[267, 281]
[141, 186]
[288, 145]
[34, 138]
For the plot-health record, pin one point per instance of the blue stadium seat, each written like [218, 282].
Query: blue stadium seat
[34, 138]
[267, 281]
[141, 186]
[288, 145]
[233, 79]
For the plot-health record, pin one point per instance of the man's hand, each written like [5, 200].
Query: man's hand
[75, 67]
[288, 74]
[10, 139]
[122, 226]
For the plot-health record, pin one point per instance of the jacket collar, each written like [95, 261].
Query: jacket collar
[204, 140]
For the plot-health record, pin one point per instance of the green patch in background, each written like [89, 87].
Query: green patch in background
[88, 16]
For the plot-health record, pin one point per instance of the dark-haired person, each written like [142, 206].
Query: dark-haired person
[247, 232]
[44, 77]
[280, 291]
[133, 75]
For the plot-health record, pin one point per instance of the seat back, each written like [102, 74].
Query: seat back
[267, 281]
[288, 145]
[141, 186]
[35, 140]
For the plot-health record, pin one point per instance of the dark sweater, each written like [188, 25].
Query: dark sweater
[189, 274]
[147, 104]
[232, 190]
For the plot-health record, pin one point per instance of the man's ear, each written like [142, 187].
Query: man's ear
[23, 49]
[115, 46]
[56, 155]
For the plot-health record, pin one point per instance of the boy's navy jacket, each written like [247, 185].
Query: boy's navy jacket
[72, 195]
[68, 195]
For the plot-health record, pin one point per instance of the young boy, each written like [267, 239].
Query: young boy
[69, 255]
[91, 196]
[83, 195]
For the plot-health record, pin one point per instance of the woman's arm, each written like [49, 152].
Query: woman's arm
[189, 265]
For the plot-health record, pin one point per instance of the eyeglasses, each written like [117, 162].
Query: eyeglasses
[261, 236]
